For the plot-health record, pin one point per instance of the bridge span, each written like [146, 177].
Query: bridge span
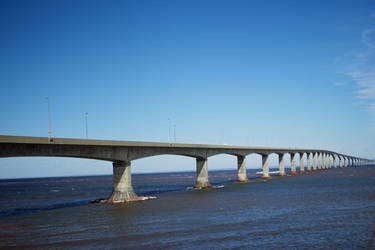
[121, 153]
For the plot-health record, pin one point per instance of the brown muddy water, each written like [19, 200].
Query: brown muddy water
[332, 209]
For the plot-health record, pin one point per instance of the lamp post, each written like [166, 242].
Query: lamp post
[174, 126]
[169, 128]
[87, 128]
[49, 120]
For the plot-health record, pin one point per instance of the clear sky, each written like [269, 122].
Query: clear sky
[260, 73]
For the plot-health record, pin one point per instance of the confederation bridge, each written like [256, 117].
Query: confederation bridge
[121, 153]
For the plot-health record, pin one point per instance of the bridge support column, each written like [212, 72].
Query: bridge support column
[308, 162]
[320, 161]
[281, 165]
[331, 159]
[314, 161]
[265, 167]
[241, 164]
[293, 164]
[334, 162]
[301, 164]
[340, 162]
[202, 174]
[122, 183]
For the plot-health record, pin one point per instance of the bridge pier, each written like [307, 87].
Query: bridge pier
[308, 155]
[202, 174]
[122, 183]
[334, 162]
[319, 161]
[293, 164]
[331, 159]
[281, 165]
[301, 164]
[265, 167]
[241, 164]
[314, 161]
[340, 162]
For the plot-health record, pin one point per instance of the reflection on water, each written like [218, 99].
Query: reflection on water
[327, 209]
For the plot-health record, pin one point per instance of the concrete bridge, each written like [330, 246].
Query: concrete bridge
[121, 153]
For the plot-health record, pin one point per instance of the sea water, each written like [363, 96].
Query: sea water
[331, 209]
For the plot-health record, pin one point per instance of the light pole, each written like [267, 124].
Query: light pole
[169, 124]
[87, 127]
[174, 126]
[49, 120]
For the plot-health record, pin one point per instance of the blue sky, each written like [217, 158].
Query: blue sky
[260, 73]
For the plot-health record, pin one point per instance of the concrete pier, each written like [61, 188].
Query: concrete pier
[265, 167]
[314, 161]
[308, 159]
[324, 161]
[281, 165]
[301, 163]
[241, 166]
[334, 162]
[293, 164]
[319, 161]
[340, 162]
[329, 164]
[122, 182]
[331, 159]
[202, 174]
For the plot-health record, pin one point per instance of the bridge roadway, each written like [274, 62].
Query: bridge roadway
[121, 153]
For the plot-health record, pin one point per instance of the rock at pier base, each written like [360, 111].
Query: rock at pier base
[138, 198]
[266, 177]
[302, 171]
[125, 194]
[202, 186]
[309, 170]
[281, 174]
[293, 172]
[242, 180]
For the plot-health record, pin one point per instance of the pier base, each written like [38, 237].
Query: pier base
[122, 183]
[293, 164]
[281, 165]
[241, 163]
[265, 167]
[202, 174]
